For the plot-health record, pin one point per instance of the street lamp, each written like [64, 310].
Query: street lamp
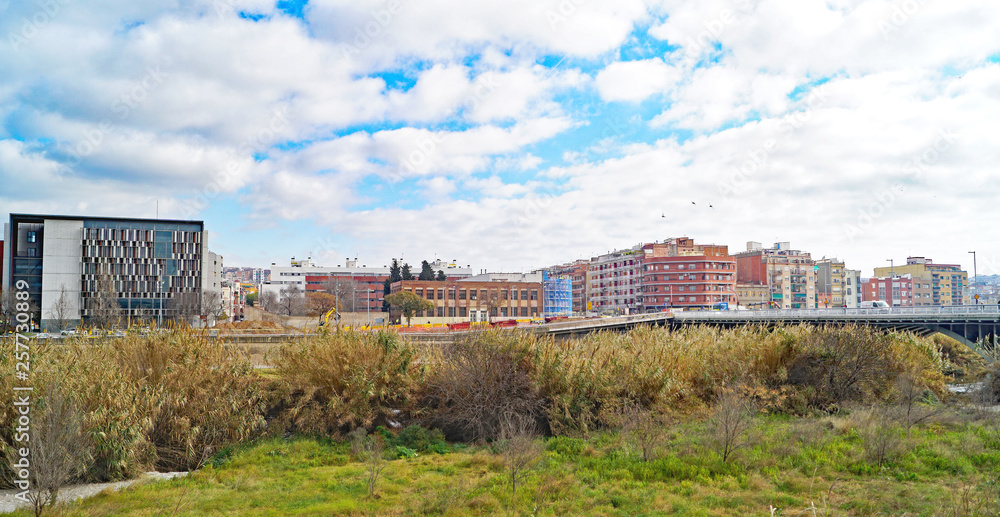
[975, 277]
[889, 287]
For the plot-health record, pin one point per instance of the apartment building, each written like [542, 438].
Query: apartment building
[753, 296]
[576, 272]
[948, 283]
[788, 274]
[831, 282]
[897, 291]
[852, 288]
[678, 273]
[147, 263]
[616, 281]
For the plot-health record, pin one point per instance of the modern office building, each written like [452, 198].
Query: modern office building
[677, 273]
[948, 283]
[789, 274]
[146, 263]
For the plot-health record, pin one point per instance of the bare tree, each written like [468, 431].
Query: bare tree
[646, 429]
[105, 310]
[912, 396]
[291, 301]
[185, 306]
[731, 419]
[493, 302]
[520, 448]
[268, 301]
[61, 309]
[879, 435]
[345, 291]
[216, 305]
[7, 307]
[370, 450]
[60, 448]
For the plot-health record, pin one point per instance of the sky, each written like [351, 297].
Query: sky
[512, 135]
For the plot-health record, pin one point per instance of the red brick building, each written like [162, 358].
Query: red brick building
[456, 301]
[896, 291]
[680, 273]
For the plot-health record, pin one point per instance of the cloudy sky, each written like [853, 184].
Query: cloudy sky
[512, 135]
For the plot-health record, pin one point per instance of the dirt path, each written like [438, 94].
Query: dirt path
[9, 503]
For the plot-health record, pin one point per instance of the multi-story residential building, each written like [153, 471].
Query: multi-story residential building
[753, 296]
[248, 275]
[852, 288]
[897, 291]
[831, 281]
[789, 274]
[616, 281]
[680, 273]
[576, 272]
[473, 300]
[948, 282]
[146, 263]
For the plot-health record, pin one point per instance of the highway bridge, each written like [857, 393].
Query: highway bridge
[976, 326]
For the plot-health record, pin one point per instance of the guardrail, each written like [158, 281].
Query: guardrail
[951, 310]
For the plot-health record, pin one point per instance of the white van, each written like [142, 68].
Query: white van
[877, 304]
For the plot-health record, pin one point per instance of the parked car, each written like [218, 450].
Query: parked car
[877, 304]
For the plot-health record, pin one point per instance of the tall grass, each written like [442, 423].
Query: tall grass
[336, 381]
[167, 401]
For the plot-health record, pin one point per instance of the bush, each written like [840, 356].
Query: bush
[482, 379]
[337, 381]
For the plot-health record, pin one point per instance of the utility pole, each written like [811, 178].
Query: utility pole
[975, 278]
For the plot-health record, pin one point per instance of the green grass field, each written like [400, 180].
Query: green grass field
[790, 466]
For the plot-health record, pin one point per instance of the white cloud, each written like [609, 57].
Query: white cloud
[635, 80]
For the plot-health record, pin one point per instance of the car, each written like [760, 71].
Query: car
[43, 335]
[68, 333]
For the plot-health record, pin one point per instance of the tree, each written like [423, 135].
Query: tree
[426, 273]
[269, 301]
[492, 302]
[216, 305]
[251, 299]
[395, 275]
[408, 303]
[405, 274]
[441, 277]
[318, 303]
[61, 309]
[344, 290]
[185, 306]
[7, 308]
[105, 310]
[291, 301]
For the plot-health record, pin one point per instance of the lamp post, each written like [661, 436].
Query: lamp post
[975, 277]
[891, 277]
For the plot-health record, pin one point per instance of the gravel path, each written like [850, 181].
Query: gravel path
[8, 503]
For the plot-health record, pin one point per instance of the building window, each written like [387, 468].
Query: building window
[32, 252]
[524, 312]
[461, 296]
[472, 294]
[451, 312]
[32, 237]
[534, 294]
[524, 294]
[513, 294]
[462, 312]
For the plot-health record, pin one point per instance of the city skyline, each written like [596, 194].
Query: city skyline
[513, 136]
